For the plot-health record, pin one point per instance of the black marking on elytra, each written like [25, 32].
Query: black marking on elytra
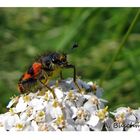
[30, 71]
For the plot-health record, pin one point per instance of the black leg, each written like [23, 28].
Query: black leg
[61, 75]
[45, 85]
[45, 76]
[74, 75]
[46, 82]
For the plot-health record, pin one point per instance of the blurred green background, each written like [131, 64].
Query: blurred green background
[27, 32]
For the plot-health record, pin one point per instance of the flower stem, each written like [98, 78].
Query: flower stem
[124, 40]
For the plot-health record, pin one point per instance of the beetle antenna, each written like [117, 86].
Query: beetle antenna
[74, 46]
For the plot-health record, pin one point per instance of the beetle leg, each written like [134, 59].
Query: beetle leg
[52, 91]
[61, 75]
[46, 82]
[74, 76]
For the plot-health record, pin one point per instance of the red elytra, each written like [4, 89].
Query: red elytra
[26, 76]
[36, 68]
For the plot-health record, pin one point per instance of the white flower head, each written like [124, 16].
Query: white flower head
[71, 110]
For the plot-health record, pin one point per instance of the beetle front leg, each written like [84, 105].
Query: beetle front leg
[74, 76]
[61, 75]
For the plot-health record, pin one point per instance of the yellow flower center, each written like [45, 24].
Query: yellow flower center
[19, 126]
[26, 98]
[11, 110]
[71, 96]
[60, 120]
[40, 116]
[81, 114]
[120, 118]
[41, 113]
[102, 113]
[55, 104]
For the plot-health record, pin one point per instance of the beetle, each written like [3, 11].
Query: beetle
[43, 69]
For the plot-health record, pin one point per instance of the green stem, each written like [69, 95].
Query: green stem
[108, 69]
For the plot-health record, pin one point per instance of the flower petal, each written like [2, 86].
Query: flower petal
[93, 120]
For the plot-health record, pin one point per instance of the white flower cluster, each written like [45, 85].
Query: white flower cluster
[71, 110]
[126, 119]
